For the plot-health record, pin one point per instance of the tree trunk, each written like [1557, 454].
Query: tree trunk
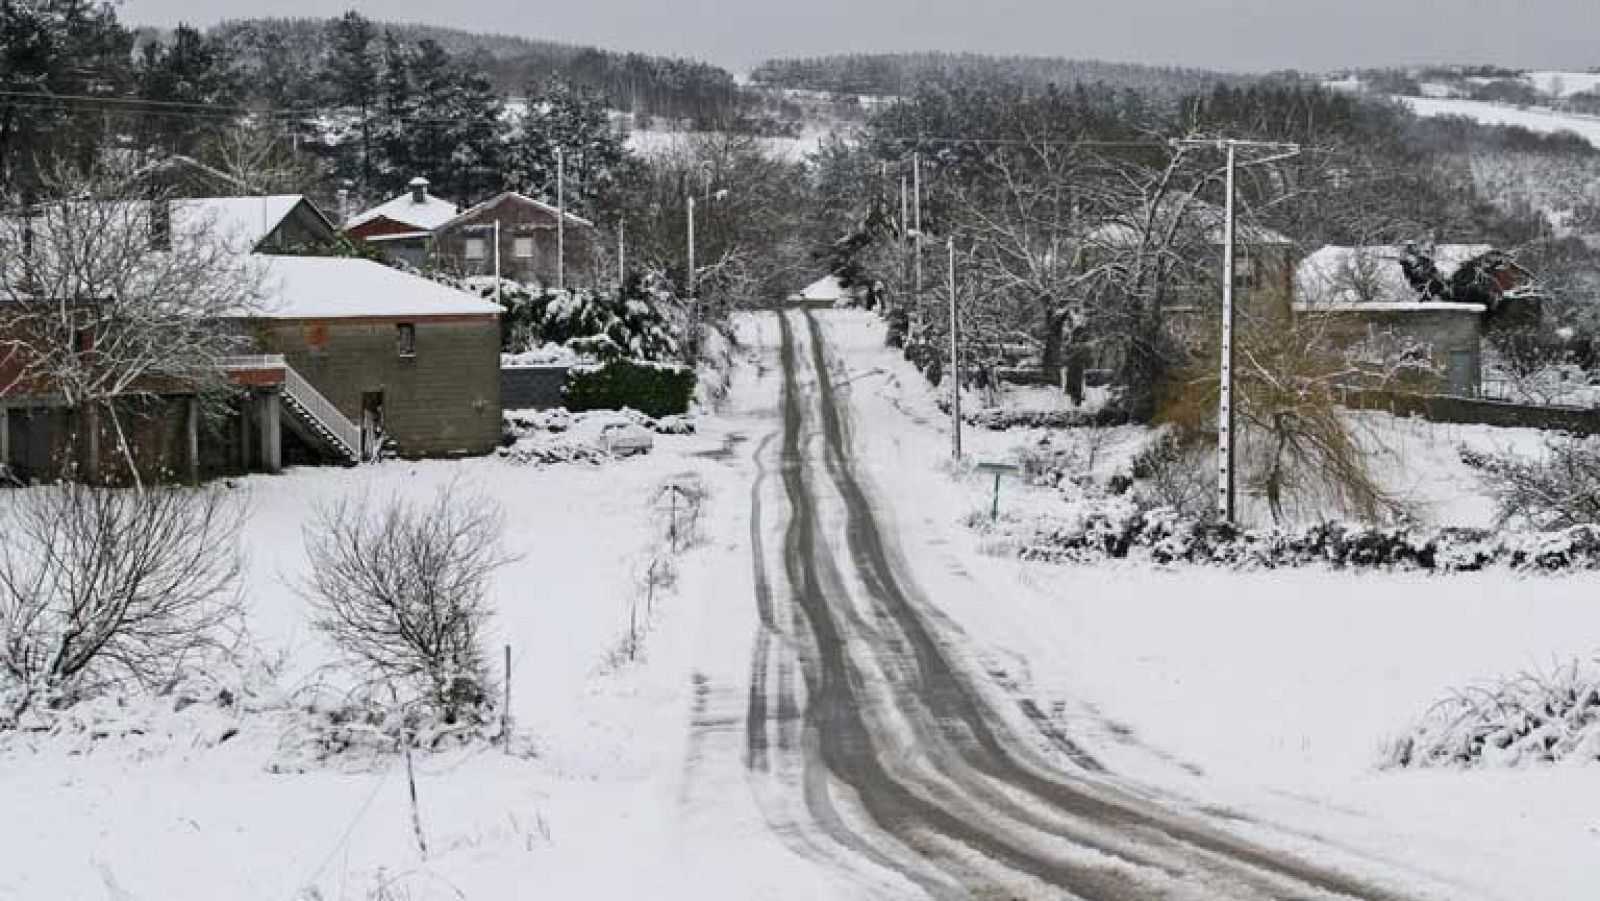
[1052, 339]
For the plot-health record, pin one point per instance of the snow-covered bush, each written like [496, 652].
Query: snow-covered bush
[401, 587]
[103, 587]
[1556, 490]
[363, 728]
[1099, 529]
[1529, 718]
[595, 324]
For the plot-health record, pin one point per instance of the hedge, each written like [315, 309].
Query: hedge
[654, 389]
[1118, 531]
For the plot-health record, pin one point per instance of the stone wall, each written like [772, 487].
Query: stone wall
[533, 387]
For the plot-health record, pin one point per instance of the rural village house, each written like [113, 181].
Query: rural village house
[1442, 299]
[421, 229]
[337, 355]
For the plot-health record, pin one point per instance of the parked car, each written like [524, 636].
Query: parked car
[623, 439]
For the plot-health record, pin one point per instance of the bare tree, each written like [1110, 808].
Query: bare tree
[401, 587]
[101, 586]
[1556, 489]
[258, 158]
[1302, 452]
[109, 291]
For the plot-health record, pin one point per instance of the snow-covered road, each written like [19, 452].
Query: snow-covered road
[905, 761]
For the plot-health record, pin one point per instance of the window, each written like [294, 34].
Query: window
[477, 249]
[522, 248]
[406, 339]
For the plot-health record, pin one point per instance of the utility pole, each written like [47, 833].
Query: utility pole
[905, 233]
[1225, 418]
[689, 276]
[955, 356]
[561, 219]
[622, 253]
[497, 261]
[1226, 421]
[916, 233]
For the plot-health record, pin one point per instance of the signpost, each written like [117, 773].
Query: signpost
[999, 469]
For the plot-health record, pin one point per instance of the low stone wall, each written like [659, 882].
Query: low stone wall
[532, 387]
[1475, 411]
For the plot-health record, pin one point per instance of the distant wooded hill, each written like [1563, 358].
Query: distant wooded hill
[900, 73]
[634, 82]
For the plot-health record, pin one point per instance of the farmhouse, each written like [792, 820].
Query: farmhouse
[338, 358]
[533, 237]
[1438, 299]
[402, 227]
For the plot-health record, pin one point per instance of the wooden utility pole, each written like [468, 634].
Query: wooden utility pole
[916, 232]
[955, 357]
[561, 219]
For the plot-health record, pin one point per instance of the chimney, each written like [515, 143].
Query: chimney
[419, 190]
[344, 205]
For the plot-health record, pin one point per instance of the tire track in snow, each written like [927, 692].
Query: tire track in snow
[1010, 804]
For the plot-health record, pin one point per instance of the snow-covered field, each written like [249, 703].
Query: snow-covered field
[1542, 121]
[1563, 84]
[1280, 688]
[653, 143]
[613, 803]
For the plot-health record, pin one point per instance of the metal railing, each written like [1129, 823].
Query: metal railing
[323, 411]
[254, 361]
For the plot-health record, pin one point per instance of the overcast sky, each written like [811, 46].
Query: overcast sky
[1222, 34]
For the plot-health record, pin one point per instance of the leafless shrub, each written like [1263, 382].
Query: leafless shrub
[401, 587]
[1556, 490]
[101, 586]
[1177, 473]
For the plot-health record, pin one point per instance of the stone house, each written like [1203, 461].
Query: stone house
[401, 228]
[1438, 301]
[533, 236]
[421, 229]
[340, 355]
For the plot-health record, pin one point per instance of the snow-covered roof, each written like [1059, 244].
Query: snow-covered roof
[428, 215]
[246, 220]
[1405, 306]
[824, 289]
[503, 196]
[1345, 276]
[346, 287]
[1203, 218]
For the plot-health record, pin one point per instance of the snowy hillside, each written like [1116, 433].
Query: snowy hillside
[1543, 121]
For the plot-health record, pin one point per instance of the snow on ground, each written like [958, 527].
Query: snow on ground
[654, 143]
[1542, 121]
[1563, 84]
[622, 800]
[1280, 688]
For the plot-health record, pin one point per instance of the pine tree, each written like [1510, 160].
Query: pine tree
[352, 76]
[562, 115]
[439, 119]
[195, 72]
[57, 47]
